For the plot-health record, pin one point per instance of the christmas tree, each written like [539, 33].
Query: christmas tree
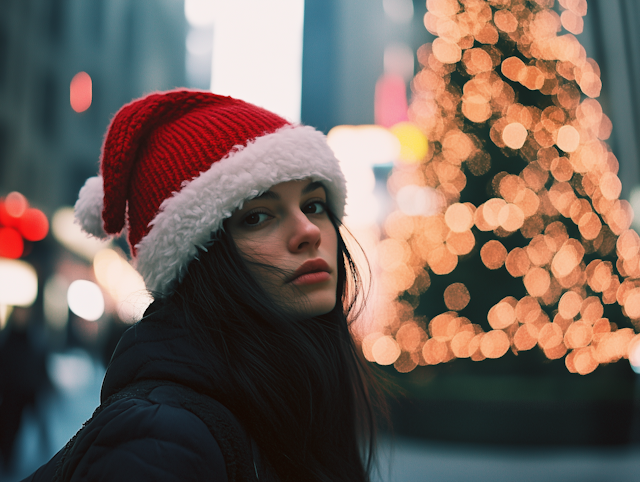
[510, 235]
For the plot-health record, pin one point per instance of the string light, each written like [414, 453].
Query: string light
[507, 99]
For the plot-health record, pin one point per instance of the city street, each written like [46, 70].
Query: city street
[78, 379]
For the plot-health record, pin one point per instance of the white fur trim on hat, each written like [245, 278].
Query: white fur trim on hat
[187, 220]
[88, 208]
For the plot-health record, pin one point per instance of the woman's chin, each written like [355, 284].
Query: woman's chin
[315, 304]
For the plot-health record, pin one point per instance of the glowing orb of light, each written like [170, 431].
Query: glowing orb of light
[365, 145]
[18, 283]
[71, 371]
[514, 135]
[458, 217]
[568, 138]
[446, 52]
[15, 204]
[11, 244]
[34, 225]
[413, 143]
[123, 283]
[385, 350]
[85, 300]
[80, 92]
[419, 201]
[71, 236]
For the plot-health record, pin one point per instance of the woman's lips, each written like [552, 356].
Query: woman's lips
[311, 271]
[311, 278]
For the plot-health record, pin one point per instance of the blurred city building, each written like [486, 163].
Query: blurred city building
[127, 48]
[348, 45]
[66, 67]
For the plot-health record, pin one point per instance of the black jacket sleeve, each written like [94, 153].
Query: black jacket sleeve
[139, 440]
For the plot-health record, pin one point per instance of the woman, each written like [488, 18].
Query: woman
[243, 368]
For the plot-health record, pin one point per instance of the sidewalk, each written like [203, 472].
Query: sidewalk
[79, 380]
[417, 461]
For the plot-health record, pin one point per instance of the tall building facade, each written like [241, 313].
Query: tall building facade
[128, 47]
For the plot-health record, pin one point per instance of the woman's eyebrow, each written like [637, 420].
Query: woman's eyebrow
[267, 195]
[312, 187]
[307, 189]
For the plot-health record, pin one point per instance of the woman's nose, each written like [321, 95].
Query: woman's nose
[304, 233]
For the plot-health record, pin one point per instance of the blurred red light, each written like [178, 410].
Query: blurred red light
[34, 225]
[390, 104]
[15, 204]
[5, 219]
[11, 244]
[80, 92]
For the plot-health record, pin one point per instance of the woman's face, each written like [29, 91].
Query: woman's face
[288, 228]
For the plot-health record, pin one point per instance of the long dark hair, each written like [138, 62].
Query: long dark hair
[298, 386]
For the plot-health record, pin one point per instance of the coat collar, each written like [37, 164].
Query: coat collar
[157, 348]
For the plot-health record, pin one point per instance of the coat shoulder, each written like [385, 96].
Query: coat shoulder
[142, 439]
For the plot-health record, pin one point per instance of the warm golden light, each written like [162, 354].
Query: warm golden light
[503, 314]
[18, 283]
[461, 344]
[511, 217]
[550, 336]
[493, 254]
[446, 52]
[537, 281]
[569, 305]
[409, 336]
[610, 186]
[123, 283]
[459, 218]
[514, 135]
[568, 138]
[385, 350]
[460, 243]
[517, 163]
[526, 337]
[435, 351]
[494, 344]
[528, 310]
[456, 296]
[517, 262]
[505, 21]
[413, 143]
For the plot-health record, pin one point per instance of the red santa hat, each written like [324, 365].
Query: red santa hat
[175, 164]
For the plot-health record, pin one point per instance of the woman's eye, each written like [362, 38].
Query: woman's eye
[256, 218]
[316, 207]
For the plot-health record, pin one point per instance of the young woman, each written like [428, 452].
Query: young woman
[243, 368]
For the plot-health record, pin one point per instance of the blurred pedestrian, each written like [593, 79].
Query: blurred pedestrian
[23, 380]
[243, 368]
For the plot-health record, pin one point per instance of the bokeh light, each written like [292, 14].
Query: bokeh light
[85, 300]
[19, 222]
[11, 243]
[123, 283]
[413, 143]
[18, 283]
[532, 209]
[81, 92]
[456, 296]
[71, 236]
[33, 225]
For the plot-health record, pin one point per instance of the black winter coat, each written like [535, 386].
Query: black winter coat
[157, 436]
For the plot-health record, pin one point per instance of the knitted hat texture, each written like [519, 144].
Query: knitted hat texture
[175, 164]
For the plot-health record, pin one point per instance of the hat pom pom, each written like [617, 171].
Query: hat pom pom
[88, 208]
